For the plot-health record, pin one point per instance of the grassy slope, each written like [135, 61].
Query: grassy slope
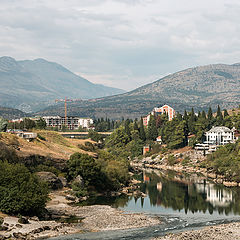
[55, 145]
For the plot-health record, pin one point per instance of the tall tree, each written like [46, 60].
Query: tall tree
[219, 117]
[142, 133]
[210, 114]
[225, 113]
[127, 128]
[135, 125]
[152, 132]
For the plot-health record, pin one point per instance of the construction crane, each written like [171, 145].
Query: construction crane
[65, 104]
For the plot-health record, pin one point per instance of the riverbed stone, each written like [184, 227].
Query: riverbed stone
[53, 181]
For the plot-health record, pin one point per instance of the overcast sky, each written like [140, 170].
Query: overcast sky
[122, 43]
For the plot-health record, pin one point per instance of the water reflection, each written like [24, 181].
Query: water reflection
[191, 193]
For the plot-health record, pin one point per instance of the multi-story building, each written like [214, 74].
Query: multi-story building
[219, 136]
[71, 123]
[169, 111]
[165, 109]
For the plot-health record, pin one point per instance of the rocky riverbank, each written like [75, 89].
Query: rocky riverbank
[87, 218]
[192, 165]
[229, 231]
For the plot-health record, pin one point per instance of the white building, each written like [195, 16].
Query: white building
[219, 136]
[71, 123]
[85, 122]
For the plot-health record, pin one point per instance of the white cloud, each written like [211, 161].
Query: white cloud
[121, 43]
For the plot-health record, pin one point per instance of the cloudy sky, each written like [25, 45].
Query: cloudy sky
[122, 43]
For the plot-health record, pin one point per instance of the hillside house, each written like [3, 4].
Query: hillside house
[219, 136]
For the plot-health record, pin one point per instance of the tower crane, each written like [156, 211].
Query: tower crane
[65, 104]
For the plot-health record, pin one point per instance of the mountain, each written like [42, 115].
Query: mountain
[10, 113]
[198, 87]
[31, 85]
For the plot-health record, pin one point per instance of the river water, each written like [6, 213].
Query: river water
[181, 201]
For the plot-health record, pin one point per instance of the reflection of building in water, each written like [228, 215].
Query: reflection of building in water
[216, 196]
[159, 186]
[146, 178]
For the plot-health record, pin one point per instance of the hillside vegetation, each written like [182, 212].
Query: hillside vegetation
[198, 87]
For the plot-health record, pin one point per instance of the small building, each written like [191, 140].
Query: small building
[219, 136]
[159, 139]
[29, 136]
[146, 149]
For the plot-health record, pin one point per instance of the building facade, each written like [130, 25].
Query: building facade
[165, 109]
[72, 123]
[219, 136]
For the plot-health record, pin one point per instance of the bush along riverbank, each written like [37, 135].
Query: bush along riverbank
[223, 166]
[39, 193]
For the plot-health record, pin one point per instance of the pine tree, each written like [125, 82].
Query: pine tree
[142, 133]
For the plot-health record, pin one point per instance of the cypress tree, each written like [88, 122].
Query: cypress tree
[142, 133]
[210, 115]
[152, 132]
[225, 113]
[127, 129]
[135, 126]
[219, 116]
[204, 115]
[185, 116]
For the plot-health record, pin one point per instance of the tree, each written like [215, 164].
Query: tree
[210, 114]
[225, 113]
[85, 166]
[3, 125]
[191, 121]
[142, 133]
[21, 192]
[41, 124]
[95, 136]
[135, 126]
[219, 117]
[126, 128]
[152, 132]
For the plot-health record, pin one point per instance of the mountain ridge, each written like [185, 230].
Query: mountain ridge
[198, 87]
[38, 83]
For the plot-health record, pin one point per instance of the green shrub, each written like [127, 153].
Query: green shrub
[186, 160]
[41, 137]
[79, 190]
[20, 191]
[171, 160]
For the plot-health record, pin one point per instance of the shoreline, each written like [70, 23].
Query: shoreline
[92, 218]
[229, 231]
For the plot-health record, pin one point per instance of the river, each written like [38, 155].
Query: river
[181, 201]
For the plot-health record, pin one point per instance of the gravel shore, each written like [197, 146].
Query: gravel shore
[91, 218]
[230, 231]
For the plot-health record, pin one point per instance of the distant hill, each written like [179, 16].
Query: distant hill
[31, 85]
[10, 113]
[198, 87]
